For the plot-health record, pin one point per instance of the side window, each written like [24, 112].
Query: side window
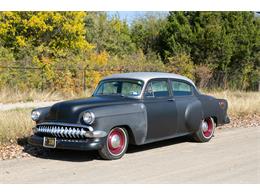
[157, 89]
[110, 87]
[181, 89]
[131, 89]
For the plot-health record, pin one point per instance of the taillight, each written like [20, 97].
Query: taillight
[222, 104]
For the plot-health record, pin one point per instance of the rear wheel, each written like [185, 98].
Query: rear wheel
[206, 131]
[116, 144]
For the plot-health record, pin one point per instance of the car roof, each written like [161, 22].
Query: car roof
[146, 76]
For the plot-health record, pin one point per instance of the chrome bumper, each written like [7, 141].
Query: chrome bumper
[87, 144]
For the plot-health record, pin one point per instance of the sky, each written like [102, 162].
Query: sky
[129, 16]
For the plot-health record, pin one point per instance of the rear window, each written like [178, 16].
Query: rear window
[181, 88]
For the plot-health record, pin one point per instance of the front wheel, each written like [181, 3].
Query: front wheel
[116, 144]
[206, 131]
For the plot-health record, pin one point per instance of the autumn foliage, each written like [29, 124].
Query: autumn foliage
[71, 51]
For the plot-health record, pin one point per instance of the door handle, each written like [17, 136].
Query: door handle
[171, 99]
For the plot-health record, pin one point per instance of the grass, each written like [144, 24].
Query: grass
[17, 123]
[240, 103]
[14, 96]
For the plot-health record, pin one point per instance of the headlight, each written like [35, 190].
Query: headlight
[88, 117]
[35, 115]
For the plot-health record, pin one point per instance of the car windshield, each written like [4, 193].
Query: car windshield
[130, 88]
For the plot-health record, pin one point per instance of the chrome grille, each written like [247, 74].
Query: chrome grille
[62, 131]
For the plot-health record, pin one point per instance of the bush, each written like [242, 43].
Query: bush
[202, 76]
[181, 64]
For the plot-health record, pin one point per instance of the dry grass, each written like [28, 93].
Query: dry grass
[12, 96]
[240, 103]
[15, 124]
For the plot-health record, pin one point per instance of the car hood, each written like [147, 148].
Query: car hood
[69, 111]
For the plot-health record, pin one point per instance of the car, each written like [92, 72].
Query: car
[129, 108]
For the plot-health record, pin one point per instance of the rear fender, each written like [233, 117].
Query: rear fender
[193, 115]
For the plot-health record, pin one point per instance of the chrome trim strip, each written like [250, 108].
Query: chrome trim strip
[64, 124]
[99, 134]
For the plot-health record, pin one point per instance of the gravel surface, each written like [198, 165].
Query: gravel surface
[232, 156]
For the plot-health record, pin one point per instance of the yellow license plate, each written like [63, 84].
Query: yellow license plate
[49, 142]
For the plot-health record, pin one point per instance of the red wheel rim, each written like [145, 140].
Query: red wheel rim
[207, 132]
[116, 141]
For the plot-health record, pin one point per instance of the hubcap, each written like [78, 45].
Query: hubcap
[207, 127]
[204, 126]
[116, 141]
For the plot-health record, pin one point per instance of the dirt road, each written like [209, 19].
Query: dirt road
[232, 156]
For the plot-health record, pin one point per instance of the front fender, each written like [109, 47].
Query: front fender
[132, 115]
[44, 112]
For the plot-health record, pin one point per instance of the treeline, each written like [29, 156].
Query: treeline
[69, 50]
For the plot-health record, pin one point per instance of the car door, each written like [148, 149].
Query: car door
[161, 110]
[184, 96]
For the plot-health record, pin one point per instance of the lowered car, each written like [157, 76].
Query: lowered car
[131, 108]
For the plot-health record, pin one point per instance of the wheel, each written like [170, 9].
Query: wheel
[206, 131]
[116, 144]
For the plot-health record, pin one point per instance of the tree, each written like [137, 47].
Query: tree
[54, 32]
[182, 64]
[145, 31]
[43, 40]
[225, 42]
[109, 34]
[177, 35]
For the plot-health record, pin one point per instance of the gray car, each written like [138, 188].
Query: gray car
[130, 108]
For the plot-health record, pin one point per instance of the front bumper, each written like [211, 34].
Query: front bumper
[87, 144]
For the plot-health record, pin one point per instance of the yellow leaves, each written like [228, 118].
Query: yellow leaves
[3, 28]
[21, 41]
[96, 77]
[36, 61]
[46, 60]
[58, 32]
[38, 22]
[73, 27]
[117, 25]
[82, 44]
[93, 77]
[9, 14]
[100, 59]
[7, 22]
[57, 17]
[46, 66]
[65, 82]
